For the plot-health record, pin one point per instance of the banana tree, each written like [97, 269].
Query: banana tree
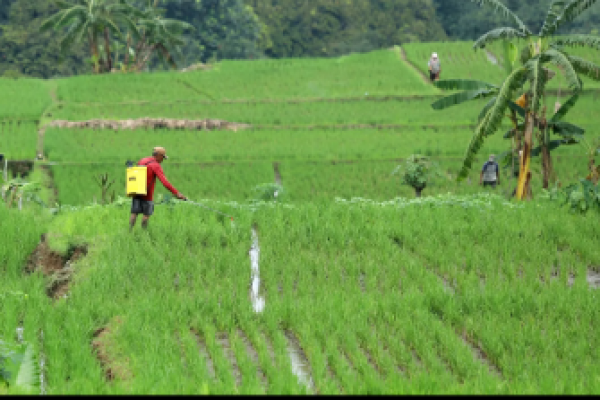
[540, 50]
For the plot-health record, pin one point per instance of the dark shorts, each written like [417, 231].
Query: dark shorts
[139, 206]
[492, 184]
[432, 76]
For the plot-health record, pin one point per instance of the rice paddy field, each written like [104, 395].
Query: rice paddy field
[343, 284]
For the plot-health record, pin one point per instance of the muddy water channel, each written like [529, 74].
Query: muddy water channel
[298, 360]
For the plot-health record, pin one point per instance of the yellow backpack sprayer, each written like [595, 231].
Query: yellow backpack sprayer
[137, 179]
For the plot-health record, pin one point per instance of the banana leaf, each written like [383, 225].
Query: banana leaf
[461, 97]
[566, 129]
[552, 145]
[463, 84]
[517, 108]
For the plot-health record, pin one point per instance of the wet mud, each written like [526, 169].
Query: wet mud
[56, 267]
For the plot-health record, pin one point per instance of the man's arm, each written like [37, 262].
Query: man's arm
[158, 171]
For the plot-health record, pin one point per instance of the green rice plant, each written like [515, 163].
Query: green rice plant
[18, 140]
[23, 99]
[375, 73]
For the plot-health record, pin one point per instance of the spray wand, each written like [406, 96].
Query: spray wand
[208, 208]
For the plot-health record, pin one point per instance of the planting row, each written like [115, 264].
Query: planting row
[404, 112]
[378, 73]
[24, 99]
[18, 140]
[302, 181]
[88, 145]
[357, 292]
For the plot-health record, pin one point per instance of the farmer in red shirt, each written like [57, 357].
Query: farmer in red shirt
[144, 204]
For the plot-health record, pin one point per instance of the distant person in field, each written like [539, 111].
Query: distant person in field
[490, 173]
[434, 67]
[144, 204]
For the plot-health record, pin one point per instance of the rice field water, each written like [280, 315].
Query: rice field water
[341, 283]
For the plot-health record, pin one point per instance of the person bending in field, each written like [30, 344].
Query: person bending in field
[144, 204]
[490, 173]
[434, 67]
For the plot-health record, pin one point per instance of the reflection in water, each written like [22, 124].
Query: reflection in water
[300, 366]
[258, 303]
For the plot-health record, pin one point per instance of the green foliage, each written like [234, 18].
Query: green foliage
[18, 369]
[223, 30]
[269, 192]
[330, 28]
[29, 52]
[580, 197]
[417, 171]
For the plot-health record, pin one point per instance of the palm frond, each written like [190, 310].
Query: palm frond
[131, 27]
[50, 22]
[578, 41]
[506, 13]
[112, 27]
[585, 67]
[571, 11]
[461, 97]
[69, 15]
[73, 34]
[462, 84]
[566, 65]
[564, 109]
[505, 33]
[554, 12]
[492, 120]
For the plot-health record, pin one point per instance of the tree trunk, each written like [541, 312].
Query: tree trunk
[418, 191]
[107, 50]
[127, 50]
[143, 61]
[523, 185]
[546, 166]
[95, 53]
[167, 55]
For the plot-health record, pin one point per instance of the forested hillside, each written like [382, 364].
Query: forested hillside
[465, 20]
[247, 29]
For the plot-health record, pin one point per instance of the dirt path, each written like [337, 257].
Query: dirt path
[147, 123]
[404, 58]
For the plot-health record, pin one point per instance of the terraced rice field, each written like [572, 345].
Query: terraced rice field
[343, 284]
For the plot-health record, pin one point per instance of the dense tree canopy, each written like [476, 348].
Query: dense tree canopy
[26, 51]
[465, 20]
[271, 28]
[301, 28]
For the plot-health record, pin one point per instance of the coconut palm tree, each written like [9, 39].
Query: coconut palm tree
[158, 34]
[540, 50]
[92, 19]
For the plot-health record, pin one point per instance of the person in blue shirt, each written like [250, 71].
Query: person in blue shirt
[490, 173]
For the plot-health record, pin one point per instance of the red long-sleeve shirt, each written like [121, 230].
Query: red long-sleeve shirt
[154, 170]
